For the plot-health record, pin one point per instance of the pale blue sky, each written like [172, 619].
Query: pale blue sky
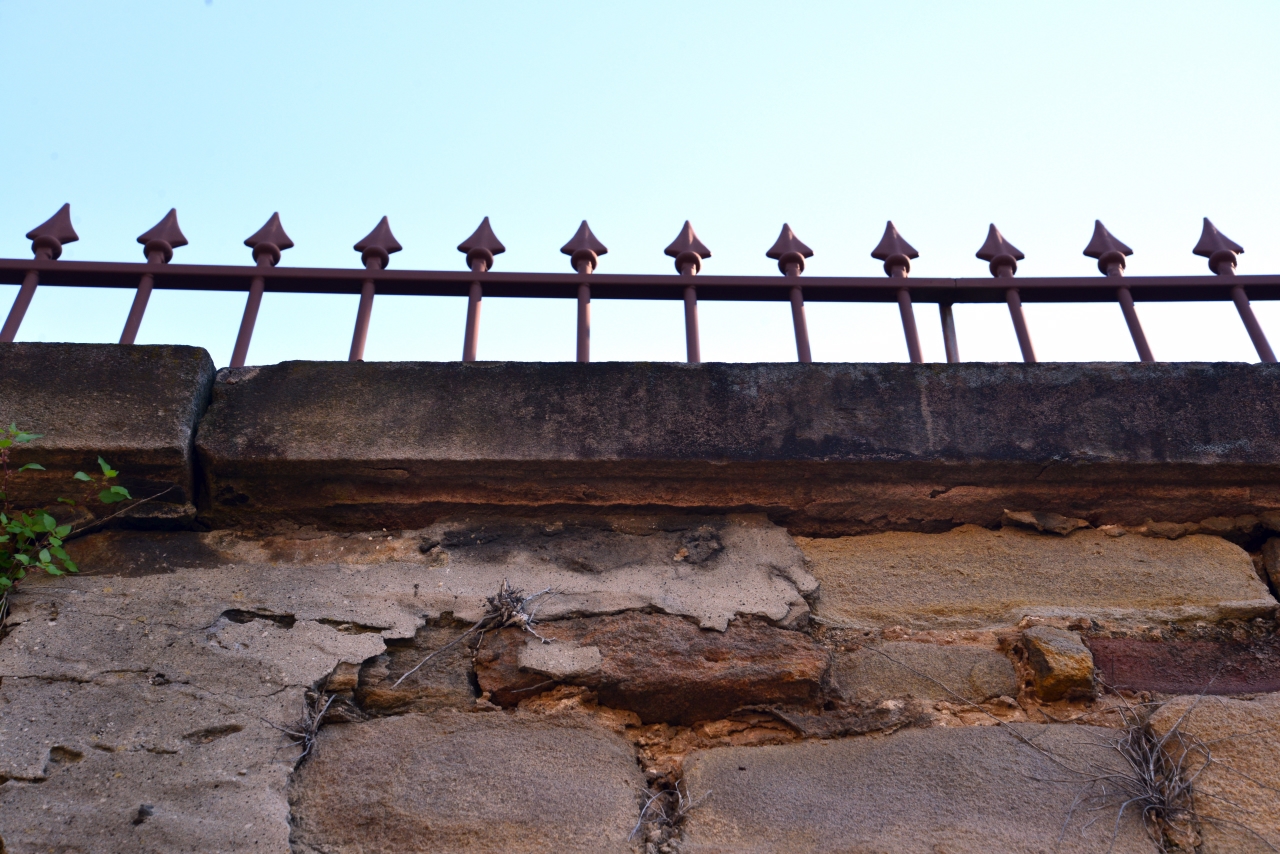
[942, 116]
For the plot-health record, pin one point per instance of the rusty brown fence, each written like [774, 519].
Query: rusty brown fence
[584, 284]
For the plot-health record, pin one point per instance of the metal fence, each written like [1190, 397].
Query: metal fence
[584, 284]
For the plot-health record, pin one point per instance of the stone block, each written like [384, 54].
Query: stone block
[1190, 666]
[973, 577]
[136, 406]
[663, 668]
[967, 790]
[829, 446]
[906, 669]
[1238, 790]
[467, 783]
[1061, 664]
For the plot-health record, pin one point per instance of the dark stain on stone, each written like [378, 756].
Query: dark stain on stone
[1188, 666]
[236, 615]
[134, 554]
[211, 734]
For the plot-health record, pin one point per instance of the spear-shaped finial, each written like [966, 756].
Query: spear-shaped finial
[584, 249]
[788, 250]
[52, 233]
[482, 245]
[1109, 251]
[999, 252]
[378, 245]
[1215, 246]
[269, 241]
[895, 252]
[687, 249]
[163, 237]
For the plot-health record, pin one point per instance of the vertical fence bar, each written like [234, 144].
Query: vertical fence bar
[251, 305]
[1259, 338]
[803, 354]
[140, 299]
[909, 325]
[692, 350]
[584, 321]
[949, 342]
[471, 336]
[1135, 326]
[1020, 325]
[363, 313]
[20, 303]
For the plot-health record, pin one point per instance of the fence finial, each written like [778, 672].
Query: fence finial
[1214, 245]
[788, 249]
[894, 251]
[584, 248]
[687, 249]
[999, 252]
[379, 244]
[51, 234]
[270, 240]
[483, 244]
[163, 237]
[1106, 248]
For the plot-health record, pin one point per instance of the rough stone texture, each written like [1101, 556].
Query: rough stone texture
[467, 783]
[135, 406]
[972, 789]
[616, 564]
[1242, 782]
[1189, 666]
[663, 668]
[1062, 665]
[826, 446]
[120, 692]
[906, 669]
[973, 577]
[1271, 561]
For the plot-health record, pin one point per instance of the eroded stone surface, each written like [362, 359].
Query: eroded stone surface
[468, 783]
[663, 668]
[973, 789]
[925, 671]
[1062, 665]
[1241, 785]
[972, 577]
[711, 569]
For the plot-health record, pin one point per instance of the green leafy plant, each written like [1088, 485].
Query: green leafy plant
[32, 540]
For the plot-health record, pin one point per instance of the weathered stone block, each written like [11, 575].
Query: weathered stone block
[663, 668]
[829, 446]
[959, 790]
[1238, 791]
[136, 406]
[467, 783]
[975, 577]
[1062, 665]
[1189, 666]
[905, 669]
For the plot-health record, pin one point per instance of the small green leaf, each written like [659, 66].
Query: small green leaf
[32, 467]
[53, 570]
[26, 437]
[70, 566]
[110, 496]
[66, 501]
[5, 583]
[62, 531]
[107, 470]
[5, 443]
[60, 553]
[22, 559]
[45, 557]
[81, 476]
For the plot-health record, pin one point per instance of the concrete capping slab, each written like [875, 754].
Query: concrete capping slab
[822, 447]
[137, 406]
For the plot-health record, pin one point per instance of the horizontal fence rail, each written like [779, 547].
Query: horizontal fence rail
[687, 285]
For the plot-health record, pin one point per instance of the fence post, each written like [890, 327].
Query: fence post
[1110, 254]
[480, 248]
[1221, 252]
[267, 243]
[157, 246]
[584, 252]
[790, 253]
[896, 254]
[689, 251]
[46, 239]
[1004, 257]
[375, 253]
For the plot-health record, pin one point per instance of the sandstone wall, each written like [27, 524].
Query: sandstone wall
[766, 608]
